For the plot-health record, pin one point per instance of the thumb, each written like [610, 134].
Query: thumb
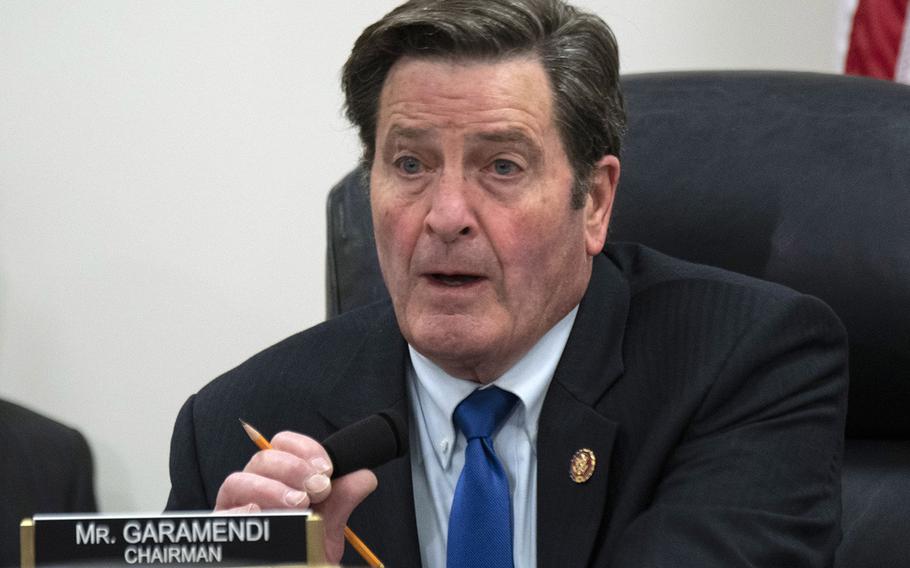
[347, 493]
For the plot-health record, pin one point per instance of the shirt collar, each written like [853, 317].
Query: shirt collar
[437, 393]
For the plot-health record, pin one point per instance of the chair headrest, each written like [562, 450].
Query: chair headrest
[799, 178]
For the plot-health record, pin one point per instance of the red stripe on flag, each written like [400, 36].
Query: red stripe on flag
[875, 40]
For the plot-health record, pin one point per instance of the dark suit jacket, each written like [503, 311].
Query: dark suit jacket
[45, 467]
[714, 404]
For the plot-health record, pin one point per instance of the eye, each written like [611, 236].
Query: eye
[409, 165]
[504, 167]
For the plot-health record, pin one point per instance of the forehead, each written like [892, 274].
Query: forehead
[430, 93]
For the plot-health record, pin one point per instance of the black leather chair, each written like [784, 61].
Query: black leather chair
[799, 178]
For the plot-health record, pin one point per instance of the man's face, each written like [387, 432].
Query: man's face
[470, 189]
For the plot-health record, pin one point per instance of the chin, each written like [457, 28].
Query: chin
[451, 338]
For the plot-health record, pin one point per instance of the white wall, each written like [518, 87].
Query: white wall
[163, 171]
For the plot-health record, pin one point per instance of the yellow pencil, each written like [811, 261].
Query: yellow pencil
[362, 549]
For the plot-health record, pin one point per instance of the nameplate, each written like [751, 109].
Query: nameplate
[179, 539]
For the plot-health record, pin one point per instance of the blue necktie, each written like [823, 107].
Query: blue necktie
[480, 524]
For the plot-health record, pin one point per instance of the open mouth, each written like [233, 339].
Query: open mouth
[454, 279]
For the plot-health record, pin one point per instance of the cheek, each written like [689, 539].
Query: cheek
[383, 227]
[536, 250]
[396, 229]
[522, 245]
[541, 231]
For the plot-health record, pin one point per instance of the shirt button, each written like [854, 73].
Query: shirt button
[444, 446]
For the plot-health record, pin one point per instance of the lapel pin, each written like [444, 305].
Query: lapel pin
[582, 466]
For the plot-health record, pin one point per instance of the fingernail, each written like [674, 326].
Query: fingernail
[316, 483]
[321, 465]
[293, 498]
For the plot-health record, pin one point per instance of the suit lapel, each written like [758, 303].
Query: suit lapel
[570, 515]
[374, 378]
[375, 381]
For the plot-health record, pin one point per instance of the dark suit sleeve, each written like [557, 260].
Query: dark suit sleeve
[755, 478]
[187, 489]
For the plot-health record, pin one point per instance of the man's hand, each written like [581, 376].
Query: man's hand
[295, 474]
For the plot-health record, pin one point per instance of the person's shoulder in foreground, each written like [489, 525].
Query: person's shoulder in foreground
[46, 468]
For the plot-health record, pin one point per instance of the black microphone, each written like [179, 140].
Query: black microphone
[367, 444]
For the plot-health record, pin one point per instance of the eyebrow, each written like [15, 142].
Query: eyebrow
[512, 136]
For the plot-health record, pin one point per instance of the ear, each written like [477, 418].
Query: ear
[599, 203]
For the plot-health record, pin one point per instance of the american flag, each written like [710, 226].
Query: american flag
[875, 39]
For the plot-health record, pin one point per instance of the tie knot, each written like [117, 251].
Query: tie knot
[481, 413]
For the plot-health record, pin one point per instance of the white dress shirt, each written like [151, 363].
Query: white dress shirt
[437, 448]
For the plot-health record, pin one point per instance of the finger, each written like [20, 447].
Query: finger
[347, 493]
[285, 467]
[315, 466]
[242, 489]
[305, 448]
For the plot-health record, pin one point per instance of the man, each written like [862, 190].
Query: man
[46, 467]
[660, 413]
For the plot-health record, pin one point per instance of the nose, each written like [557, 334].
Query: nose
[450, 216]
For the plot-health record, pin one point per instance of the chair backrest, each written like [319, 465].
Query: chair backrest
[799, 178]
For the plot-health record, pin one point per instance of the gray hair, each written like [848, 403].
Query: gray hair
[576, 48]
